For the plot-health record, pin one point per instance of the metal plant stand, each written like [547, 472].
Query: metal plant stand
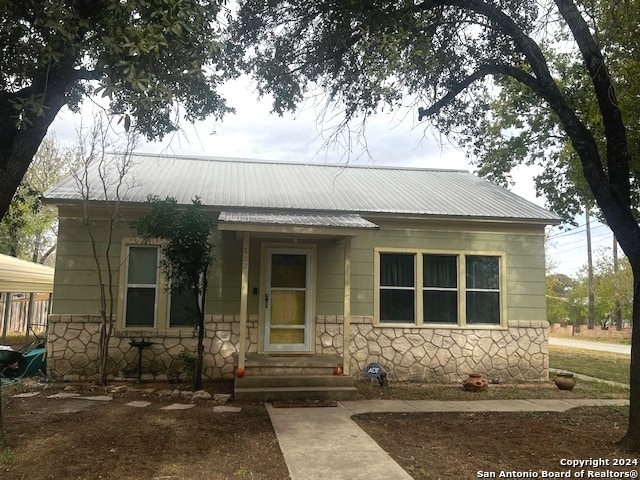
[140, 345]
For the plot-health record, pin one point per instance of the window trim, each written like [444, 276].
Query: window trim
[414, 288]
[461, 255]
[163, 294]
[455, 289]
[128, 285]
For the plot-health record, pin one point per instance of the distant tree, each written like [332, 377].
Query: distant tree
[28, 229]
[186, 255]
[154, 60]
[607, 287]
[558, 288]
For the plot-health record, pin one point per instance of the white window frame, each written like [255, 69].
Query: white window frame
[162, 310]
[413, 289]
[128, 285]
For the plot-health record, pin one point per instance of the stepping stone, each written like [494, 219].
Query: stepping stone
[178, 406]
[97, 398]
[64, 395]
[221, 397]
[224, 409]
[26, 395]
[139, 404]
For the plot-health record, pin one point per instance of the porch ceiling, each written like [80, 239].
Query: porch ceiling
[279, 222]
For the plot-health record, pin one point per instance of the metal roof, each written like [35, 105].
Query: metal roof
[20, 276]
[252, 185]
[288, 219]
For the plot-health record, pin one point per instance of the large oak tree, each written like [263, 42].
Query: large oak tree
[443, 55]
[155, 61]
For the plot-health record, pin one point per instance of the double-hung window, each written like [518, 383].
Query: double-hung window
[148, 303]
[141, 290]
[397, 287]
[483, 289]
[440, 288]
[431, 289]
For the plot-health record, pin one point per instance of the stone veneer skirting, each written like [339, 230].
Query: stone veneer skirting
[519, 352]
[72, 348]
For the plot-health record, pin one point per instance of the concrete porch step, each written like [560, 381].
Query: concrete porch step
[293, 377]
[263, 365]
[265, 394]
[295, 381]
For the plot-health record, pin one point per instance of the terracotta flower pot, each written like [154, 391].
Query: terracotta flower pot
[475, 382]
[565, 380]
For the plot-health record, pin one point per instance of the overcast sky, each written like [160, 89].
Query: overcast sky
[391, 139]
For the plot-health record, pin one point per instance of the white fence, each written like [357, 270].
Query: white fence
[19, 313]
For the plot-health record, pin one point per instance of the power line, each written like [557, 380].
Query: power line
[575, 231]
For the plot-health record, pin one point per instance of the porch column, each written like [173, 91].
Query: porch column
[244, 294]
[346, 324]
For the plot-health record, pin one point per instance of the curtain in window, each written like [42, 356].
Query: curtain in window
[397, 270]
[440, 271]
[397, 293]
[440, 295]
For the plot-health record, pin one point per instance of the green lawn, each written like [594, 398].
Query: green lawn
[602, 365]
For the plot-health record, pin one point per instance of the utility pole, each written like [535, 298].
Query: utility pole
[617, 313]
[592, 305]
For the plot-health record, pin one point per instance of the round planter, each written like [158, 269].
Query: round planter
[475, 382]
[565, 380]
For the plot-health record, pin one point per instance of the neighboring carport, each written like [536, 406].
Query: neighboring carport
[20, 276]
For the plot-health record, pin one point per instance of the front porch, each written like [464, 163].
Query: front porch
[293, 377]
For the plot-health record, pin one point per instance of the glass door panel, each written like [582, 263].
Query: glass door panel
[287, 312]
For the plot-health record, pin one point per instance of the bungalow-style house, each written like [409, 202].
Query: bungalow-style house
[431, 274]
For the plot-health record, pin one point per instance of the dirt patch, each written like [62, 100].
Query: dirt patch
[69, 438]
[486, 445]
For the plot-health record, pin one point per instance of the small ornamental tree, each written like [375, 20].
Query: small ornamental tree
[186, 254]
[93, 144]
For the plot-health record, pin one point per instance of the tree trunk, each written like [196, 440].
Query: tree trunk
[18, 146]
[197, 382]
[20, 138]
[631, 440]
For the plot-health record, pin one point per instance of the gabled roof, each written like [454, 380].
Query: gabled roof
[251, 185]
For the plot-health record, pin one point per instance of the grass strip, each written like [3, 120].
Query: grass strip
[603, 365]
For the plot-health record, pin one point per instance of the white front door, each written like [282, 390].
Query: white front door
[288, 300]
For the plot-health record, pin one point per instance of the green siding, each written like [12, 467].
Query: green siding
[76, 284]
[525, 270]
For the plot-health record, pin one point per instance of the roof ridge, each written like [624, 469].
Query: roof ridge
[236, 160]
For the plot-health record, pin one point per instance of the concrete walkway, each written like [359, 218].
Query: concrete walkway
[590, 345]
[323, 443]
